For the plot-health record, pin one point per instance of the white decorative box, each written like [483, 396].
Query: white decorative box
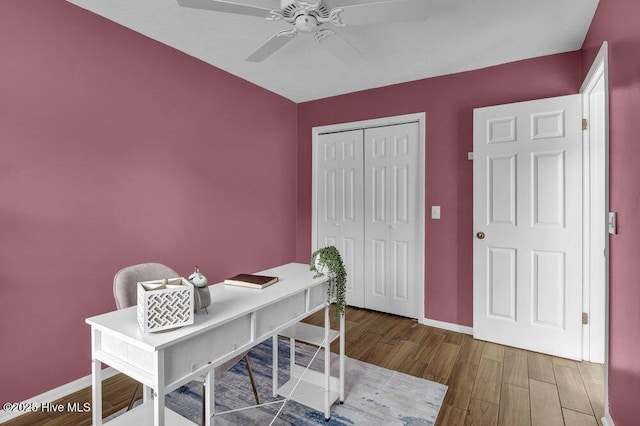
[165, 306]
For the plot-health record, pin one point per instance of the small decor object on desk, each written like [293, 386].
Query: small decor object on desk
[201, 296]
[252, 281]
[164, 304]
[327, 260]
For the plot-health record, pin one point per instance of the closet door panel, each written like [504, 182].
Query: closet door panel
[340, 204]
[391, 218]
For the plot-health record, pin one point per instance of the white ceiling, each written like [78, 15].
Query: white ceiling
[458, 35]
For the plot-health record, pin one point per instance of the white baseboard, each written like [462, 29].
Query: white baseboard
[57, 393]
[447, 326]
[607, 420]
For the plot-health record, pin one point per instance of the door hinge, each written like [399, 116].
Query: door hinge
[584, 124]
[585, 318]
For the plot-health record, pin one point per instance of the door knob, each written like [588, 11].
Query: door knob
[480, 235]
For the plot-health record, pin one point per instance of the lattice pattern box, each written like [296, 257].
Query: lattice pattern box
[165, 305]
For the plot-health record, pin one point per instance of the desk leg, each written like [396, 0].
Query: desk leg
[96, 380]
[327, 363]
[209, 398]
[274, 365]
[96, 391]
[158, 390]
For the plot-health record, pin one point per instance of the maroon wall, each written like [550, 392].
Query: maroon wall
[448, 103]
[114, 150]
[618, 23]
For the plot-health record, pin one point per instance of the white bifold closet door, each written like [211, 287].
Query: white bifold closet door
[340, 204]
[390, 217]
[367, 199]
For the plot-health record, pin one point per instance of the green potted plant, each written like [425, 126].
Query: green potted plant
[327, 260]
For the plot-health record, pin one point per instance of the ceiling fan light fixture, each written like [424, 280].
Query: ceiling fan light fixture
[305, 23]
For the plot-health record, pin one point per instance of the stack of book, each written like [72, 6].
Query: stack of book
[251, 281]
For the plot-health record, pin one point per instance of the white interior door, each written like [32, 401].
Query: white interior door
[391, 218]
[340, 203]
[528, 205]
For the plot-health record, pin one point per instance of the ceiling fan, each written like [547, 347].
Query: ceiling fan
[312, 17]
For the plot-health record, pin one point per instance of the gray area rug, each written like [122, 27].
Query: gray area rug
[373, 395]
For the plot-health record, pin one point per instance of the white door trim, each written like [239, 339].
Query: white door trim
[599, 69]
[594, 334]
[377, 122]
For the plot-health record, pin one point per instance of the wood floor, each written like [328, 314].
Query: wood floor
[489, 384]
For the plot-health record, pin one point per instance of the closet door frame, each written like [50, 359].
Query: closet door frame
[420, 272]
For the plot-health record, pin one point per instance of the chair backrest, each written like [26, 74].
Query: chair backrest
[124, 282]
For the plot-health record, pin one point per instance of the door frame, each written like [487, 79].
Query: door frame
[420, 118]
[599, 69]
[594, 331]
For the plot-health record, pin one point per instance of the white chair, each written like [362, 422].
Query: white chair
[124, 292]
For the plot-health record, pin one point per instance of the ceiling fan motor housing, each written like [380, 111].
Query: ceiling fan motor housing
[290, 9]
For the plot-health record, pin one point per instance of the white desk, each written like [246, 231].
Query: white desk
[239, 318]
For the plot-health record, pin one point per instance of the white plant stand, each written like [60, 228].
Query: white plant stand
[315, 389]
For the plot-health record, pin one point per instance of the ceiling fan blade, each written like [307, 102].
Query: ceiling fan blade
[384, 11]
[340, 47]
[272, 45]
[227, 7]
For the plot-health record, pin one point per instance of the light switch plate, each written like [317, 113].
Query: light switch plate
[612, 222]
[435, 212]
[469, 155]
